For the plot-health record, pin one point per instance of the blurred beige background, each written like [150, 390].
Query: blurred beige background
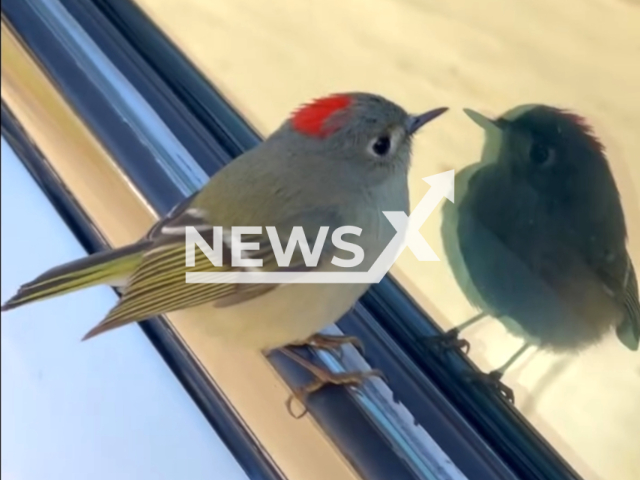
[267, 57]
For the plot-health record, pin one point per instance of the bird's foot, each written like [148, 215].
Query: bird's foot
[331, 343]
[493, 380]
[447, 341]
[352, 379]
[323, 378]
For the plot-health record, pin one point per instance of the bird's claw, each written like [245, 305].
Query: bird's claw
[323, 377]
[493, 380]
[331, 343]
[448, 341]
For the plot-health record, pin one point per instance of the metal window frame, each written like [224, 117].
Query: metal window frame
[474, 428]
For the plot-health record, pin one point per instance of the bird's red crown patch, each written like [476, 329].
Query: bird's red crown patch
[586, 128]
[311, 118]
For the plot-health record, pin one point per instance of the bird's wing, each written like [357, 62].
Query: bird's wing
[618, 277]
[170, 217]
[450, 240]
[159, 286]
[629, 330]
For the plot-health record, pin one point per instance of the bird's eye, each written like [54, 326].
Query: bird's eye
[381, 145]
[540, 154]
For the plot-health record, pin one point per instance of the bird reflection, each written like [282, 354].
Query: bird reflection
[537, 238]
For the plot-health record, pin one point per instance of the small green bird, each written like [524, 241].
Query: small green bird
[538, 237]
[337, 161]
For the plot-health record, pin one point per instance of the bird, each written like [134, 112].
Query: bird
[538, 237]
[341, 159]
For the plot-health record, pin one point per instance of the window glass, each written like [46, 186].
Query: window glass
[268, 57]
[104, 409]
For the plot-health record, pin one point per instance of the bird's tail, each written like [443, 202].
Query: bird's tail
[110, 267]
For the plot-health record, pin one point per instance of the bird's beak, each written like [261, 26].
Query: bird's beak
[415, 122]
[483, 122]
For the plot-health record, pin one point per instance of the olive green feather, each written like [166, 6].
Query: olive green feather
[111, 267]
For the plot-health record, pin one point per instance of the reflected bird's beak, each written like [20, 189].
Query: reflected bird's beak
[483, 122]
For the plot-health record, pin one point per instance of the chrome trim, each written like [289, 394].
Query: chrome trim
[134, 109]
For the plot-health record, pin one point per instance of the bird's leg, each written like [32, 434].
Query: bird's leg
[330, 342]
[449, 339]
[323, 377]
[493, 378]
